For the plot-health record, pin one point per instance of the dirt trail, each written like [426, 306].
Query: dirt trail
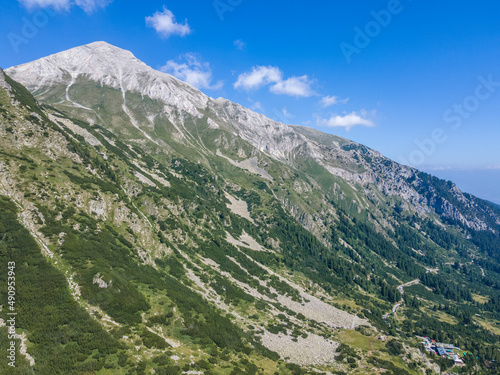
[399, 303]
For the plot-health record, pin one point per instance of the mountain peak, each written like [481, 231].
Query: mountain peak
[101, 44]
[107, 65]
[96, 59]
[103, 49]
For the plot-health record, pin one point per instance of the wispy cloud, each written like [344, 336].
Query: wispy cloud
[328, 101]
[257, 106]
[346, 121]
[166, 25]
[56, 4]
[261, 76]
[193, 71]
[282, 115]
[286, 114]
[258, 77]
[294, 86]
[89, 6]
[239, 44]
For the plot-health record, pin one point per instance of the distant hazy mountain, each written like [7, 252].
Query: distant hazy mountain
[480, 182]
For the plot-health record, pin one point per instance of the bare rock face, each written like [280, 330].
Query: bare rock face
[98, 279]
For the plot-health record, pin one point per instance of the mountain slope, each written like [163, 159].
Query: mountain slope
[184, 221]
[164, 108]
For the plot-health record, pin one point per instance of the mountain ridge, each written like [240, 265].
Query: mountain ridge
[96, 62]
[217, 233]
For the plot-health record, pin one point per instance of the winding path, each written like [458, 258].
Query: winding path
[400, 288]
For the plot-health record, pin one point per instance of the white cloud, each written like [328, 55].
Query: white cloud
[346, 121]
[88, 6]
[258, 77]
[294, 86]
[328, 101]
[261, 76]
[166, 25]
[192, 71]
[239, 44]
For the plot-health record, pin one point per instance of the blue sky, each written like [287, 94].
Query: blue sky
[418, 81]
